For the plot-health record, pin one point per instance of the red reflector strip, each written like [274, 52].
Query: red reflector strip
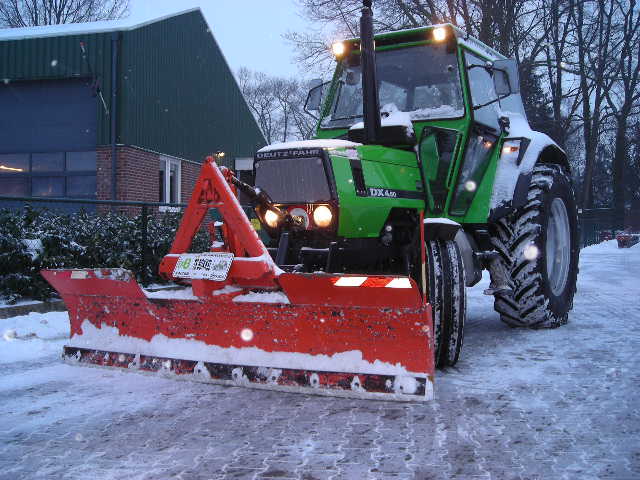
[372, 282]
[376, 282]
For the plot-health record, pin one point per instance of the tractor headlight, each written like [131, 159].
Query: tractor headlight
[322, 216]
[271, 218]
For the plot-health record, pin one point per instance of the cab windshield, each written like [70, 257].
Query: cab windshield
[423, 81]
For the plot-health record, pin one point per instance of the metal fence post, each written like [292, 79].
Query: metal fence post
[145, 221]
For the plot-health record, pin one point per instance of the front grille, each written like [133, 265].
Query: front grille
[294, 180]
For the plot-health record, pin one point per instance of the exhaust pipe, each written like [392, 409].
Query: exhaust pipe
[370, 99]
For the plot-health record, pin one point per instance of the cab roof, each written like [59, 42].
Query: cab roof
[418, 34]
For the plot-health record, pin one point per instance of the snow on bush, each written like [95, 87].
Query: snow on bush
[36, 239]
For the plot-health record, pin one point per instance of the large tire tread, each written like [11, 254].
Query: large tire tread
[527, 305]
[457, 304]
[447, 296]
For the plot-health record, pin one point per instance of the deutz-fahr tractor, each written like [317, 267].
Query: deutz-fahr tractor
[424, 173]
[425, 130]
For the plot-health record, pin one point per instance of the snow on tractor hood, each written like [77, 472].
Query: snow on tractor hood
[322, 143]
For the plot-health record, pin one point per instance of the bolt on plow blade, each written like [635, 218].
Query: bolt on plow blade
[321, 334]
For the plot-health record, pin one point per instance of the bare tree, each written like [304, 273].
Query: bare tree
[594, 25]
[633, 179]
[295, 122]
[495, 22]
[257, 90]
[624, 96]
[277, 105]
[26, 13]
[305, 124]
[328, 21]
[578, 60]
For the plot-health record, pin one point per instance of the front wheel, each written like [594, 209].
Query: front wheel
[448, 299]
[538, 247]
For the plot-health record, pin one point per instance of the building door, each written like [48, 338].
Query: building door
[48, 138]
[169, 180]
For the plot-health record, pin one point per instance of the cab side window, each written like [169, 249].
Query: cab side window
[482, 92]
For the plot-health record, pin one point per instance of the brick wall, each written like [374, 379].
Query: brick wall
[137, 174]
[137, 178]
[190, 173]
[103, 167]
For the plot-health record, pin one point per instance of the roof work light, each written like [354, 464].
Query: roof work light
[338, 49]
[439, 34]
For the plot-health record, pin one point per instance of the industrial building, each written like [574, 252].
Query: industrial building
[110, 110]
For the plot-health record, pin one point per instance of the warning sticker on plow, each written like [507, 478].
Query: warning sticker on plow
[204, 266]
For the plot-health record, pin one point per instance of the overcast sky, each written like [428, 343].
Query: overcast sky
[249, 32]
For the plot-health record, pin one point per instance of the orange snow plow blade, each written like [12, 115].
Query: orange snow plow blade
[343, 335]
[323, 345]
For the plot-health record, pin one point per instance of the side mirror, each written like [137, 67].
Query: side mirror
[314, 98]
[505, 77]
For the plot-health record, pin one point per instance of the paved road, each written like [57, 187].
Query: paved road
[520, 405]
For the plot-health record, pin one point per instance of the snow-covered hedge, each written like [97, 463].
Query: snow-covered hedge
[31, 240]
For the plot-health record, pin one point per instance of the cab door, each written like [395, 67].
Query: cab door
[484, 132]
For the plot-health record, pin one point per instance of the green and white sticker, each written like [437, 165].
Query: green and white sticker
[204, 266]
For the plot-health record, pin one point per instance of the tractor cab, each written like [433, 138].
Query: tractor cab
[422, 83]
[441, 94]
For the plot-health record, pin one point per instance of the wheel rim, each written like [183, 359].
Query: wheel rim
[558, 246]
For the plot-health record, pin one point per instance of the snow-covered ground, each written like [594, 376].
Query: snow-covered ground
[19, 303]
[520, 404]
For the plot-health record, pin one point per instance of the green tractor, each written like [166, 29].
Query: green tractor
[423, 142]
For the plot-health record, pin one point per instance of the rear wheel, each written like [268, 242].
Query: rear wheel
[538, 247]
[448, 299]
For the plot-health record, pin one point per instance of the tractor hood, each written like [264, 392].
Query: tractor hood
[304, 145]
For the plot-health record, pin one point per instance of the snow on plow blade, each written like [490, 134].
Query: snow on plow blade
[342, 335]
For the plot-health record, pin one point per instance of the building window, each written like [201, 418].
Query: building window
[14, 187]
[47, 162]
[81, 161]
[48, 174]
[81, 186]
[13, 170]
[47, 186]
[169, 188]
[14, 163]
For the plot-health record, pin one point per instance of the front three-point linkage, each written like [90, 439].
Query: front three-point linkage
[262, 203]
